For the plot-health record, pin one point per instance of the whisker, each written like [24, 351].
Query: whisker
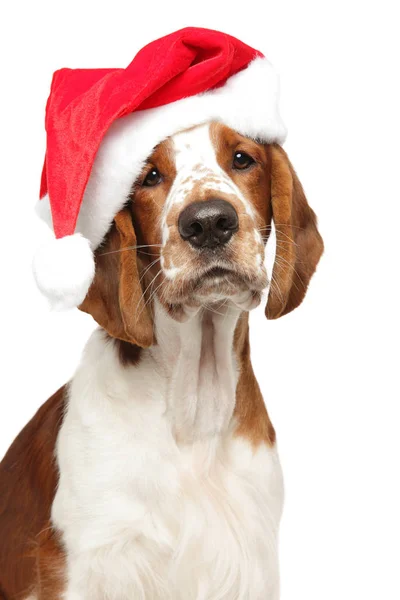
[131, 248]
[152, 295]
[209, 307]
[144, 252]
[142, 297]
[283, 242]
[280, 258]
[150, 284]
[276, 289]
[291, 241]
[148, 268]
[281, 225]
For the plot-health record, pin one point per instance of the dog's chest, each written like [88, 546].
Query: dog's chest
[144, 517]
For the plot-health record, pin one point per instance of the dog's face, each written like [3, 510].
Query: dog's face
[199, 208]
[194, 230]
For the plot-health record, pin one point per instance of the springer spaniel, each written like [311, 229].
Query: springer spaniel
[154, 474]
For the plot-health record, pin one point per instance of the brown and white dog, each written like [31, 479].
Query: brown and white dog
[154, 473]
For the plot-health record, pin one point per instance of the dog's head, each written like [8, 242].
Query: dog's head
[194, 230]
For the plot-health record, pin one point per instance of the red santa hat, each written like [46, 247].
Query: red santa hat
[102, 124]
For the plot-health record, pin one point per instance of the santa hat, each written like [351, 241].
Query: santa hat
[102, 124]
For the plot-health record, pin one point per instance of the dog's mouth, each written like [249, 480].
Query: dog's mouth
[221, 281]
[217, 273]
[220, 278]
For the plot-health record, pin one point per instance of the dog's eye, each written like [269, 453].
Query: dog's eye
[242, 161]
[152, 178]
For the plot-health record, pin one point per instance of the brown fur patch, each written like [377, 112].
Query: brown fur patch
[254, 183]
[148, 202]
[28, 481]
[299, 245]
[129, 354]
[51, 566]
[250, 412]
[115, 299]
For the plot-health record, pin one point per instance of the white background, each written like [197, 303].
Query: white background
[329, 371]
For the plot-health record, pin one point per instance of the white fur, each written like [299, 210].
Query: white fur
[157, 499]
[64, 270]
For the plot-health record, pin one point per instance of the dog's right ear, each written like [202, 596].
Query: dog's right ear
[115, 299]
[299, 245]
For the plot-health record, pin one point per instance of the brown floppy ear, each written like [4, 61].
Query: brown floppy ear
[299, 245]
[115, 298]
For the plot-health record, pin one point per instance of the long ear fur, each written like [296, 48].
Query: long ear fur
[299, 245]
[115, 299]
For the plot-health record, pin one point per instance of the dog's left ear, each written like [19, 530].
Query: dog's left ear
[299, 245]
[115, 299]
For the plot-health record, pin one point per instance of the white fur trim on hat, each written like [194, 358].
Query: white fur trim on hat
[64, 270]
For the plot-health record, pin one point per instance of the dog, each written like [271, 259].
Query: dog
[154, 473]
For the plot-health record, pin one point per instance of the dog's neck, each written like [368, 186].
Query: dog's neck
[198, 373]
[191, 372]
[198, 360]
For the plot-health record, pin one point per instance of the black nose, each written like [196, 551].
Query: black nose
[208, 224]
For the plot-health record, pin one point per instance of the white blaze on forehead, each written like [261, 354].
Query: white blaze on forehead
[196, 160]
[194, 148]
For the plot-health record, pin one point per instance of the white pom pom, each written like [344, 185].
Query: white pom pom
[64, 270]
